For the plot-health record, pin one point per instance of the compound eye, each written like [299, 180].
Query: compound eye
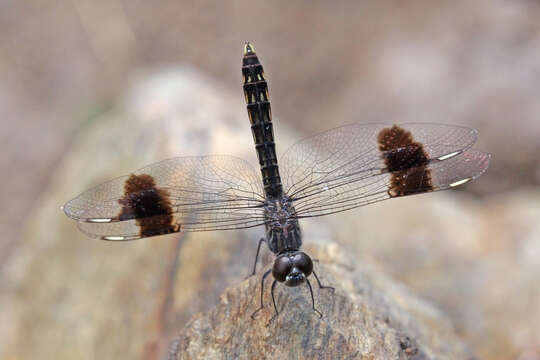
[281, 268]
[303, 262]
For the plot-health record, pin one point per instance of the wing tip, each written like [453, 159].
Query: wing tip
[486, 161]
[67, 208]
[482, 160]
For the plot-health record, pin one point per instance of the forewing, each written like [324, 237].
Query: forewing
[179, 194]
[348, 167]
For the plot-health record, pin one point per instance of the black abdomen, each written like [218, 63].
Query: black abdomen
[260, 116]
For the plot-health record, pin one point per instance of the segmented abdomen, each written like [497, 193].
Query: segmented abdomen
[260, 116]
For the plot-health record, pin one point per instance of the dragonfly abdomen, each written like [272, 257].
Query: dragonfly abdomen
[260, 117]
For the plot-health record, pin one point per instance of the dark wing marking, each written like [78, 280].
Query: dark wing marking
[180, 194]
[406, 160]
[347, 167]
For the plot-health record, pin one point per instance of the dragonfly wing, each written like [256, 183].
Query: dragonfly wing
[356, 165]
[179, 194]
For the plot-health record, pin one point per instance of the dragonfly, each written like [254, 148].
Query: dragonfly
[337, 170]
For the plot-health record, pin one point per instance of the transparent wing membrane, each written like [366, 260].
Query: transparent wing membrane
[353, 149]
[333, 171]
[344, 168]
[191, 193]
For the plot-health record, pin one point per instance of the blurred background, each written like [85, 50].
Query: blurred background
[90, 90]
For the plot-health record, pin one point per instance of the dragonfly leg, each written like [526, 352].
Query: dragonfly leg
[321, 286]
[312, 298]
[274, 301]
[262, 293]
[257, 256]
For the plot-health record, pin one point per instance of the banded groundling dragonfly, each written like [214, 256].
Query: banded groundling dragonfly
[337, 170]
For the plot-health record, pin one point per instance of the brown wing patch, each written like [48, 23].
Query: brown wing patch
[148, 205]
[407, 161]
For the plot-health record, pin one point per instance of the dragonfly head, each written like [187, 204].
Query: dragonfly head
[292, 268]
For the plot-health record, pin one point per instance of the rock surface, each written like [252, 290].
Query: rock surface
[477, 260]
[368, 317]
[65, 296]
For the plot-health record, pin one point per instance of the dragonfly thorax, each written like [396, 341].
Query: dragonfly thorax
[282, 228]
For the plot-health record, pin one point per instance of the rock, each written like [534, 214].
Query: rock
[368, 317]
[67, 296]
[477, 260]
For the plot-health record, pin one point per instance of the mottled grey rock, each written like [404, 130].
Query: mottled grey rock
[368, 317]
[478, 260]
[66, 296]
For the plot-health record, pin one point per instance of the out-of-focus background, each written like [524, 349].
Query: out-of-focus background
[92, 89]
